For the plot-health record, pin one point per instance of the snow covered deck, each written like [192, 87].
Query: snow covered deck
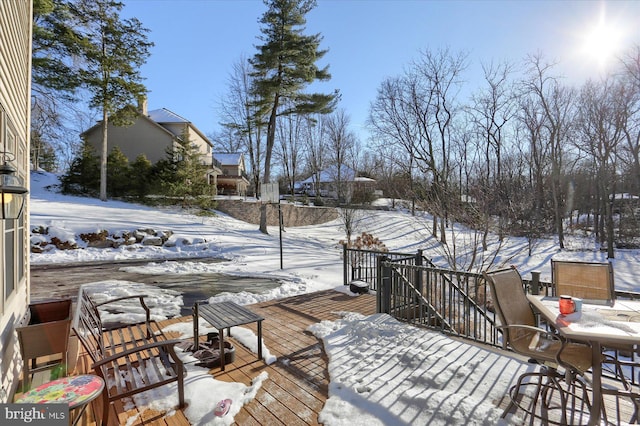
[297, 384]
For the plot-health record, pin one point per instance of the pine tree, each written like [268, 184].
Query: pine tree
[118, 173]
[82, 178]
[141, 176]
[188, 178]
[55, 43]
[113, 50]
[55, 80]
[284, 65]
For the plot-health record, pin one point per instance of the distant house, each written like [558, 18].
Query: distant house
[327, 182]
[15, 104]
[154, 134]
[626, 203]
[233, 177]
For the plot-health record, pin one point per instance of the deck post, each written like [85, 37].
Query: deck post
[345, 265]
[535, 282]
[418, 271]
[383, 293]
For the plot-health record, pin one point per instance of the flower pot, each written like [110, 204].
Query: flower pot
[44, 331]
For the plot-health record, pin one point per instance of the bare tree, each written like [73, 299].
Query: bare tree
[416, 111]
[603, 112]
[630, 152]
[316, 148]
[387, 167]
[492, 108]
[557, 105]
[290, 145]
[340, 144]
[237, 113]
[394, 126]
[433, 91]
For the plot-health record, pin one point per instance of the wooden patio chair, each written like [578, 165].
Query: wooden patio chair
[590, 281]
[521, 333]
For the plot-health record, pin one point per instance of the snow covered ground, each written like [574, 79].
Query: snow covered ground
[429, 379]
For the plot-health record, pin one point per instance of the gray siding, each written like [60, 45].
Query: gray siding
[143, 137]
[15, 86]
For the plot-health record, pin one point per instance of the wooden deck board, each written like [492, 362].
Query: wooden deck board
[297, 384]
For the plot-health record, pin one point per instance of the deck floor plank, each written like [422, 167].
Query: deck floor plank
[297, 385]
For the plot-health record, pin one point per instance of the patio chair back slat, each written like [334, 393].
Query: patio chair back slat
[131, 358]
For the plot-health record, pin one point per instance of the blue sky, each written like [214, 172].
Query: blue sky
[198, 41]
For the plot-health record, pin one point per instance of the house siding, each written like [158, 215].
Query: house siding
[142, 137]
[203, 146]
[146, 137]
[15, 86]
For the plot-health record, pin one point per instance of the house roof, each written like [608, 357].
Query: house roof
[159, 117]
[163, 115]
[144, 117]
[227, 159]
[330, 174]
[363, 179]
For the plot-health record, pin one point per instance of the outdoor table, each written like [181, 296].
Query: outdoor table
[76, 391]
[597, 325]
[224, 315]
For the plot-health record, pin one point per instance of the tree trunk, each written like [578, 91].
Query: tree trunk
[263, 218]
[103, 156]
[434, 226]
[271, 137]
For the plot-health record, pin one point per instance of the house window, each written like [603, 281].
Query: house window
[13, 245]
[9, 258]
[21, 248]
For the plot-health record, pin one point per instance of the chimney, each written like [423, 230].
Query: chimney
[142, 105]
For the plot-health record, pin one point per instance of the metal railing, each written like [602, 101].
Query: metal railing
[362, 265]
[412, 289]
[452, 302]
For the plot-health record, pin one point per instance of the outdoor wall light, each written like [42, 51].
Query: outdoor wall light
[12, 191]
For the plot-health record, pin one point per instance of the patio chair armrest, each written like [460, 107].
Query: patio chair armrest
[542, 340]
[140, 297]
[541, 331]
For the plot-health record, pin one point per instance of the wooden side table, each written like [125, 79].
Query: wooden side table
[224, 315]
[76, 391]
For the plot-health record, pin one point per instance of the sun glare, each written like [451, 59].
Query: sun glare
[603, 41]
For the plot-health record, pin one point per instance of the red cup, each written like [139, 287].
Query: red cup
[567, 305]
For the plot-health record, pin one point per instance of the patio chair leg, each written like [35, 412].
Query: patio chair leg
[551, 386]
[106, 404]
[531, 409]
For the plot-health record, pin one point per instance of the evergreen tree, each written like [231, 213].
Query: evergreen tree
[187, 175]
[141, 176]
[83, 176]
[113, 50]
[55, 79]
[284, 65]
[118, 173]
[55, 43]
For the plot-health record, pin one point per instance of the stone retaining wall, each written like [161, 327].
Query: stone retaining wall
[292, 215]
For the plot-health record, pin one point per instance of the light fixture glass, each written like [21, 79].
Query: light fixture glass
[12, 190]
